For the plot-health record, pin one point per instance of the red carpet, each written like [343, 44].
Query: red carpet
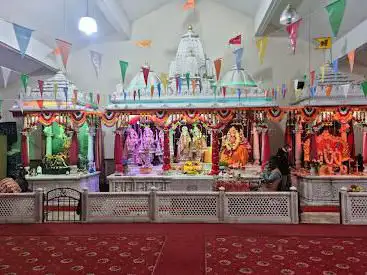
[286, 255]
[121, 254]
[185, 245]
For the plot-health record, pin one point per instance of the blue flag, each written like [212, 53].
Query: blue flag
[238, 55]
[313, 91]
[66, 93]
[23, 36]
[335, 66]
[159, 89]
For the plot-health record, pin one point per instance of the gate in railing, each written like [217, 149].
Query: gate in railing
[62, 205]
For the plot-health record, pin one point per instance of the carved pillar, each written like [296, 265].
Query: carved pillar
[256, 145]
[166, 150]
[215, 152]
[298, 150]
[92, 133]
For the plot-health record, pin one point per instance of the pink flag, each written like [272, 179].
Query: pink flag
[98, 98]
[351, 57]
[64, 50]
[236, 40]
[224, 90]
[217, 65]
[146, 74]
[292, 30]
[40, 86]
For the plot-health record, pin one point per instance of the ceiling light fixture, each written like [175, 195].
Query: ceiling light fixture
[88, 24]
[289, 16]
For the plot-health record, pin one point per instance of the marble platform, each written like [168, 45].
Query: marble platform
[75, 181]
[324, 190]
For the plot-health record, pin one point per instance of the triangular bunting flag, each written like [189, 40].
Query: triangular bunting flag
[335, 11]
[91, 101]
[144, 43]
[328, 90]
[151, 91]
[335, 66]
[24, 80]
[64, 48]
[217, 65]
[164, 79]
[40, 86]
[322, 72]
[23, 36]
[96, 59]
[99, 98]
[40, 103]
[146, 71]
[188, 80]
[193, 84]
[224, 91]
[364, 88]
[312, 77]
[346, 90]
[159, 89]
[351, 57]
[56, 89]
[6, 74]
[66, 93]
[190, 4]
[284, 90]
[262, 44]
[123, 68]
[235, 40]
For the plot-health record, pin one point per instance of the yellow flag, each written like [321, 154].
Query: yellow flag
[164, 79]
[262, 44]
[144, 43]
[322, 71]
[323, 43]
[56, 88]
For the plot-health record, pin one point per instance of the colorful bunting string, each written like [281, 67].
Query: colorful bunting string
[335, 11]
[351, 57]
[23, 36]
[123, 68]
[64, 48]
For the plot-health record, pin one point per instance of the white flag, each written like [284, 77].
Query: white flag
[6, 74]
[96, 59]
[346, 90]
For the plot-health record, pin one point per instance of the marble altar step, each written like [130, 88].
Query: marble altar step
[320, 217]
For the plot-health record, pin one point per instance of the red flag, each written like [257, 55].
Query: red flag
[40, 86]
[64, 48]
[217, 65]
[292, 30]
[98, 98]
[146, 74]
[40, 103]
[236, 40]
[312, 77]
[224, 90]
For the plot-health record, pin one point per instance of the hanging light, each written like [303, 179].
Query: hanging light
[88, 24]
[289, 16]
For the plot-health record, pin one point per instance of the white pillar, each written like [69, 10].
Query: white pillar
[298, 145]
[91, 135]
[48, 133]
[256, 145]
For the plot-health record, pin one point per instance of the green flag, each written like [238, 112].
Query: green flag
[188, 80]
[335, 11]
[364, 88]
[123, 67]
[91, 97]
[24, 79]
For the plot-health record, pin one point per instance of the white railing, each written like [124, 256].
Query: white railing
[353, 207]
[155, 206]
[21, 207]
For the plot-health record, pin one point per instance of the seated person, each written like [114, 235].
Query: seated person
[271, 176]
[8, 185]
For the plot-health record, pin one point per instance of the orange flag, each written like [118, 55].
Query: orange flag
[144, 43]
[56, 51]
[217, 65]
[351, 56]
[190, 4]
[328, 90]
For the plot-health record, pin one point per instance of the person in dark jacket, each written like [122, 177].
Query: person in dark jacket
[284, 167]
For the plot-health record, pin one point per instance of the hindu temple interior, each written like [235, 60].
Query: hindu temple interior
[237, 128]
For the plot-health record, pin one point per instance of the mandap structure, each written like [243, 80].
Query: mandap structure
[182, 131]
[67, 128]
[324, 127]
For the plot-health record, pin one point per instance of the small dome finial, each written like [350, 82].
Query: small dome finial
[190, 28]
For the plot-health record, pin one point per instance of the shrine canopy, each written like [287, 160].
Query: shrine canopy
[193, 82]
[58, 95]
[331, 88]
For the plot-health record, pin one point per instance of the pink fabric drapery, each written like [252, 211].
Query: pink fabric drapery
[99, 150]
[118, 151]
[74, 149]
[265, 148]
[24, 148]
[351, 144]
[364, 147]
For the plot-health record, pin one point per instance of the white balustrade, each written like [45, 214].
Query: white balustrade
[353, 207]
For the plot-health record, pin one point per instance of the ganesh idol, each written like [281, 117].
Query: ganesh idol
[234, 149]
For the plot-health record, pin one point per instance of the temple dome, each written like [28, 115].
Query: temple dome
[238, 78]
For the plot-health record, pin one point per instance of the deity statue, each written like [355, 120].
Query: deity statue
[198, 145]
[184, 145]
[234, 149]
[159, 145]
[146, 148]
[131, 145]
